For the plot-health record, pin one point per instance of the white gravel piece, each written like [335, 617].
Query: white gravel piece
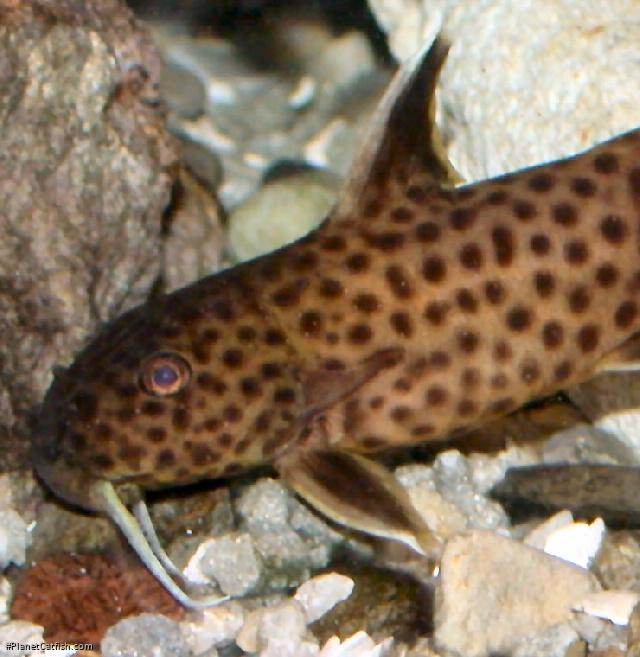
[537, 537]
[215, 627]
[274, 631]
[552, 642]
[13, 538]
[20, 632]
[615, 606]
[146, 635]
[578, 543]
[231, 560]
[264, 506]
[322, 593]
[6, 593]
[359, 644]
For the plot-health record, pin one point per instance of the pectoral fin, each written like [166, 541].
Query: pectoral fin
[358, 493]
[401, 134]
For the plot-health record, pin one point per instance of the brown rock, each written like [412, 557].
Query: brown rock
[492, 591]
[85, 173]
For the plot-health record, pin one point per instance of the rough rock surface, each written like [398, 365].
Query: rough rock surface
[494, 591]
[518, 85]
[84, 178]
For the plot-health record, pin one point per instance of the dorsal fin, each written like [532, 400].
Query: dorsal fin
[400, 132]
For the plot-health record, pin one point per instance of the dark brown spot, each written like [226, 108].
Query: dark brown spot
[210, 335]
[358, 263]
[470, 378]
[540, 182]
[524, 210]
[372, 208]
[304, 261]
[499, 381]
[470, 256]
[250, 387]
[436, 312]
[157, 434]
[466, 407]
[165, 459]
[502, 351]
[242, 446]
[274, 337]
[468, 341]
[437, 396]
[634, 183]
[437, 359]
[402, 324]
[284, 396]
[222, 310]
[127, 390]
[224, 440]
[212, 424]
[246, 334]
[434, 269]
[232, 413]
[311, 323]
[386, 242]
[466, 300]
[503, 245]
[564, 214]
[399, 282]
[233, 358]
[584, 187]
[367, 302]
[607, 275]
[270, 371]
[263, 422]
[181, 418]
[545, 283]
[401, 215]
[330, 288]
[625, 314]
[529, 371]
[287, 296]
[562, 371]
[540, 244]
[333, 243]
[201, 352]
[494, 292]
[579, 299]
[271, 270]
[153, 408]
[86, 406]
[376, 403]
[202, 454]
[373, 443]
[502, 405]
[334, 365]
[103, 461]
[588, 338]
[232, 469]
[606, 163]
[211, 383]
[423, 430]
[613, 229]
[519, 318]
[403, 384]
[103, 432]
[576, 252]
[552, 335]
[359, 334]
[462, 218]
[401, 413]
[125, 414]
[416, 194]
[427, 232]
[497, 197]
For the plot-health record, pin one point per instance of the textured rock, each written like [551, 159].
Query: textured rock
[493, 591]
[322, 593]
[147, 634]
[20, 632]
[555, 641]
[518, 85]
[84, 178]
[13, 538]
[213, 627]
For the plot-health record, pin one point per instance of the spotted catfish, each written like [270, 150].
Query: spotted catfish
[414, 310]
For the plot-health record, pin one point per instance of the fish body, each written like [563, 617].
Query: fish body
[414, 310]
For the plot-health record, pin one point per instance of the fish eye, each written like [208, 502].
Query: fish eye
[164, 374]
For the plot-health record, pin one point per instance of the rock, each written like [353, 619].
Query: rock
[229, 559]
[280, 212]
[17, 631]
[615, 606]
[264, 506]
[359, 644]
[499, 591]
[85, 177]
[322, 593]
[194, 234]
[13, 538]
[617, 566]
[274, 631]
[183, 91]
[554, 641]
[214, 627]
[6, 593]
[517, 87]
[599, 634]
[146, 634]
